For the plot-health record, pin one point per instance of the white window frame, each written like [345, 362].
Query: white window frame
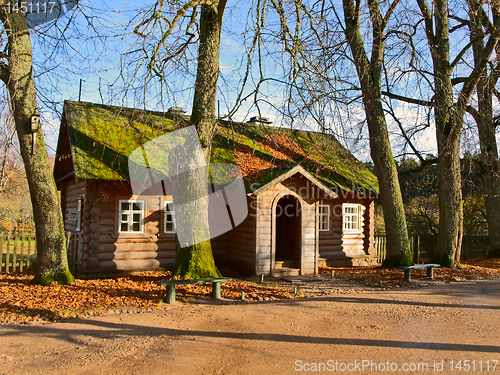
[347, 224]
[170, 205]
[324, 217]
[78, 224]
[129, 212]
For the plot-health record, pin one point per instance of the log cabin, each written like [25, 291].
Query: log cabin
[310, 202]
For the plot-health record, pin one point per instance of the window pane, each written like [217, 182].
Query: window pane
[169, 218]
[136, 227]
[137, 206]
[136, 218]
[351, 217]
[125, 206]
[124, 217]
[124, 227]
[169, 227]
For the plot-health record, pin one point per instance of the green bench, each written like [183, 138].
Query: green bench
[170, 284]
[408, 269]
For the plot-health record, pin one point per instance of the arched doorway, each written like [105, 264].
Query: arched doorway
[288, 232]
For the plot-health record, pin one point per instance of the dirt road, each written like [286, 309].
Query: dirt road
[348, 330]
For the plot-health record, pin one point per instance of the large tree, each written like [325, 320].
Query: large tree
[16, 71]
[449, 110]
[195, 260]
[369, 70]
[480, 25]
[316, 67]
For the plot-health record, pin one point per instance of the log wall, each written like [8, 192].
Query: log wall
[249, 248]
[103, 250]
[241, 242]
[337, 244]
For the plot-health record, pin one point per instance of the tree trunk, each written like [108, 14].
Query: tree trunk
[369, 74]
[490, 169]
[52, 263]
[398, 246]
[450, 194]
[448, 129]
[449, 113]
[490, 165]
[196, 261]
[203, 116]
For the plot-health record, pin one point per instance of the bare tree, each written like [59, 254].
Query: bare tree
[480, 25]
[9, 163]
[369, 69]
[194, 261]
[449, 110]
[16, 71]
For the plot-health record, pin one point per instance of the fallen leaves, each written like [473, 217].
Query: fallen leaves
[390, 277]
[20, 301]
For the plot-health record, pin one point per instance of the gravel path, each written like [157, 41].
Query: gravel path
[346, 326]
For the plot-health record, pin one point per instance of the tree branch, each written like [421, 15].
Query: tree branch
[408, 100]
[429, 25]
[480, 65]
[4, 72]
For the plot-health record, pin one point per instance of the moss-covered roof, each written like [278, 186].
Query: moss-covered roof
[265, 152]
[103, 137]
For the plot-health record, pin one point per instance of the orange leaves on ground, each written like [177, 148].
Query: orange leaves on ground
[469, 270]
[21, 301]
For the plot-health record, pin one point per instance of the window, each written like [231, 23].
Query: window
[169, 217]
[324, 218]
[351, 217]
[79, 215]
[131, 216]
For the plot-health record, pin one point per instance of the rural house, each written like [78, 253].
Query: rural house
[310, 202]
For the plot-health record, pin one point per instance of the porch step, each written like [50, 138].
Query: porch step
[285, 272]
[322, 262]
[279, 264]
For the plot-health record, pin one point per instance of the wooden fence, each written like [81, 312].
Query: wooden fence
[423, 247]
[17, 251]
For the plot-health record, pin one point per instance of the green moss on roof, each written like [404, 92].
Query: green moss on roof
[320, 154]
[103, 137]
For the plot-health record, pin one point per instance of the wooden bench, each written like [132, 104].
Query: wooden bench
[170, 284]
[408, 269]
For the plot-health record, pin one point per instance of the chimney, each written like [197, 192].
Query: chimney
[175, 111]
[259, 120]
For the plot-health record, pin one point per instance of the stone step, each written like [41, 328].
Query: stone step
[286, 264]
[285, 271]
